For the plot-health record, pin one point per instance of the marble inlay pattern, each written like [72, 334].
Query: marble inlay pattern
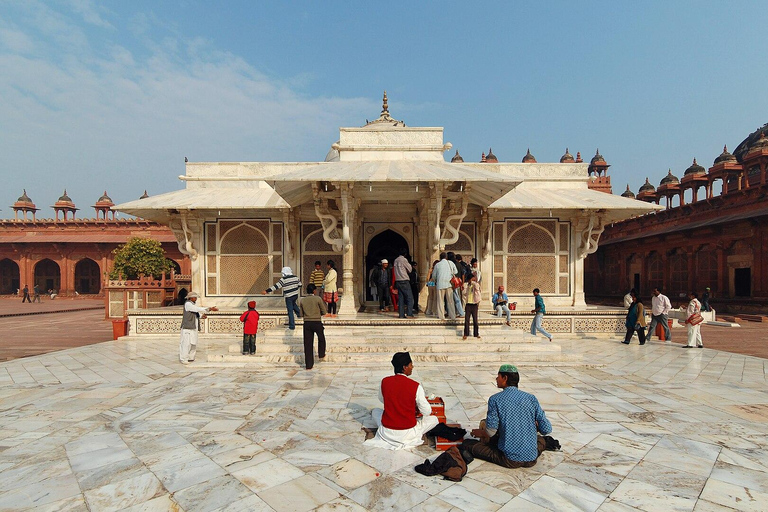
[123, 426]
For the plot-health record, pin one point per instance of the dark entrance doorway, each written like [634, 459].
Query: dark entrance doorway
[9, 276]
[87, 277]
[636, 284]
[742, 282]
[47, 275]
[385, 245]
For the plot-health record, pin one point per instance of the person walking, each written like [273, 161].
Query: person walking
[693, 321]
[660, 307]
[705, 300]
[403, 284]
[538, 312]
[330, 290]
[250, 321]
[471, 297]
[442, 273]
[312, 309]
[36, 297]
[25, 293]
[316, 277]
[635, 321]
[190, 324]
[291, 286]
[501, 304]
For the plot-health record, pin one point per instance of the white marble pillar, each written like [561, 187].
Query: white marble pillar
[348, 306]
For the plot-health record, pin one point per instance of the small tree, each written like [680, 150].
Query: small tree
[140, 256]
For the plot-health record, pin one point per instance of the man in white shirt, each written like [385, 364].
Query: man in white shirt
[402, 396]
[190, 323]
[659, 314]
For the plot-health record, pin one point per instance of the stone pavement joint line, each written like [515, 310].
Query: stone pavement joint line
[123, 426]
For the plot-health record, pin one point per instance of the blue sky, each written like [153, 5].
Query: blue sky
[114, 95]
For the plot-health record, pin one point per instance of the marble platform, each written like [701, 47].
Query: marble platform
[123, 426]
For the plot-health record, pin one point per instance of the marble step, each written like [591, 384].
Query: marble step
[395, 346]
[384, 358]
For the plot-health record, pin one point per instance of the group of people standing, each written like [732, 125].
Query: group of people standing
[25, 296]
[660, 307]
[454, 286]
[397, 285]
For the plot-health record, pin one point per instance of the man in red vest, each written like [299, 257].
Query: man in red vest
[398, 425]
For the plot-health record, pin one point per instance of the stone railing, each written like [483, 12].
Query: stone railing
[142, 322]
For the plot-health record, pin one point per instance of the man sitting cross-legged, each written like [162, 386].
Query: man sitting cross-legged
[509, 437]
[398, 425]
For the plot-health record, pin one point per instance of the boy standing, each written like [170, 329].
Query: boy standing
[250, 321]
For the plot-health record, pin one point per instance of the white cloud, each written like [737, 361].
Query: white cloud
[85, 113]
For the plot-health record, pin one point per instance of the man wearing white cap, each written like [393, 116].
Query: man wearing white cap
[291, 285]
[190, 323]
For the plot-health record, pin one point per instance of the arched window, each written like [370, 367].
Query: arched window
[706, 269]
[655, 272]
[532, 260]
[678, 273]
[87, 277]
[48, 275]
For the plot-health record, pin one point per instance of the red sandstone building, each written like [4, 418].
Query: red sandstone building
[67, 254]
[705, 237]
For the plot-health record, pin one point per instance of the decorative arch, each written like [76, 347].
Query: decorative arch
[532, 258]
[242, 256]
[314, 248]
[655, 271]
[10, 277]
[87, 277]
[707, 271]
[47, 275]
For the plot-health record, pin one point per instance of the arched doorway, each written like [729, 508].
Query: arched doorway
[47, 275]
[385, 245]
[9, 276]
[174, 266]
[87, 277]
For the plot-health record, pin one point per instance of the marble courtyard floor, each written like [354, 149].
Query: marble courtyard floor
[122, 425]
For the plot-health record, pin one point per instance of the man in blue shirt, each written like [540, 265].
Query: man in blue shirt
[509, 437]
[538, 315]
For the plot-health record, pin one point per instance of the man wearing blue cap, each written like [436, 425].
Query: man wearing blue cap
[510, 435]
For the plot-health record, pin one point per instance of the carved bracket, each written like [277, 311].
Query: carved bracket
[486, 229]
[458, 218]
[291, 232]
[327, 220]
[590, 235]
[182, 230]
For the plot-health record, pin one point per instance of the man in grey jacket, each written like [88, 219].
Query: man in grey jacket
[190, 323]
[442, 274]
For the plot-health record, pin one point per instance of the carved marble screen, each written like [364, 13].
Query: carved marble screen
[530, 254]
[242, 257]
[465, 245]
[315, 248]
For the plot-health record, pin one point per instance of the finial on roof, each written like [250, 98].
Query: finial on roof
[457, 158]
[385, 106]
[145, 195]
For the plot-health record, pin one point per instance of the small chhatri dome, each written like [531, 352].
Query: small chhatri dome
[695, 168]
[567, 158]
[457, 158]
[105, 198]
[725, 156]
[647, 187]
[762, 143]
[144, 195]
[24, 198]
[597, 159]
[64, 198]
[529, 158]
[669, 179]
[628, 193]
[490, 157]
